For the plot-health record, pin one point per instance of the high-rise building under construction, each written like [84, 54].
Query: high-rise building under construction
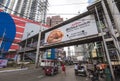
[30, 9]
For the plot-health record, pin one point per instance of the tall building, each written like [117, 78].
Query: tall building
[1, 3]
[30, 9]
[21, 30]
[54, 20]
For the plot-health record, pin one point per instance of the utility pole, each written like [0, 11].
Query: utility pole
[38, 55]
[115, 13]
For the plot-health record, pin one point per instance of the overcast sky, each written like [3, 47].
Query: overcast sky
[66, 8]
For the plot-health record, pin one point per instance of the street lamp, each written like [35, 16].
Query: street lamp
[28, 33]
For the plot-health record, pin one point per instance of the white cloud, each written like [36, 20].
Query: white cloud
[66, 8]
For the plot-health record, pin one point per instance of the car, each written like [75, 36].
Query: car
[81, 70]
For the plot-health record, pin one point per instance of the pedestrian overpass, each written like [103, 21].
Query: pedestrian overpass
[83, 40]
[82, 29]
[78, 30]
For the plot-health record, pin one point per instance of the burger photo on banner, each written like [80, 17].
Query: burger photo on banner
[55, 36]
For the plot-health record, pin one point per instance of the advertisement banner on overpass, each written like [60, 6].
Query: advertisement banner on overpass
[80, 28]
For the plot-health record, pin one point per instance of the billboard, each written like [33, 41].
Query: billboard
[82, 27]
[32, 27]
[23, 27]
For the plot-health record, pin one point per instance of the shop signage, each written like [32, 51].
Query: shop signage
[3, 63]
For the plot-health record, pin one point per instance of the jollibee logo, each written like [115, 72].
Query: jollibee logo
[7, 31]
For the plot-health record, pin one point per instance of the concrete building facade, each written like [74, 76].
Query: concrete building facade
[30, 9]
[54, 20]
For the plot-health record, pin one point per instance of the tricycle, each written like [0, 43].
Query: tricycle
[50, 67]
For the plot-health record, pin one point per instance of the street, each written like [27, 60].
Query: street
[68, 77]
[35, 75]
[49, 33]
[25, 75]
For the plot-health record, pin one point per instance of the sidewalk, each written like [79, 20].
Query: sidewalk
[17, 68]
[31, 74]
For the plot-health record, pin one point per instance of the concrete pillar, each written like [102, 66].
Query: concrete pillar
[110, 26]
[115, 13]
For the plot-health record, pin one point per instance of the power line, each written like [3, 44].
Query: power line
[18, 13]
[69, 4]
[48, 13]
[13, 10]
[75, 4]
[40, 14]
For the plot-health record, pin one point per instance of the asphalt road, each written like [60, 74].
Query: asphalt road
[37, 75]
[25, 75]
[69, 76]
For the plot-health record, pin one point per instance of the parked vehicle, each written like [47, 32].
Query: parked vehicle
[81, 71]
[93, 75]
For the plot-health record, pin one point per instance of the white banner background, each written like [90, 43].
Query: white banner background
[83, 27]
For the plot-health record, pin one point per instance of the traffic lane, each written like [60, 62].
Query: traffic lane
[37, 75]
[69, 76]
[26, 75]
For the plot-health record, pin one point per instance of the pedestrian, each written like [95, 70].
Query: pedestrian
[108, 74]
[95, 73]
[76, 68]
[63, 69]
[102, 69]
